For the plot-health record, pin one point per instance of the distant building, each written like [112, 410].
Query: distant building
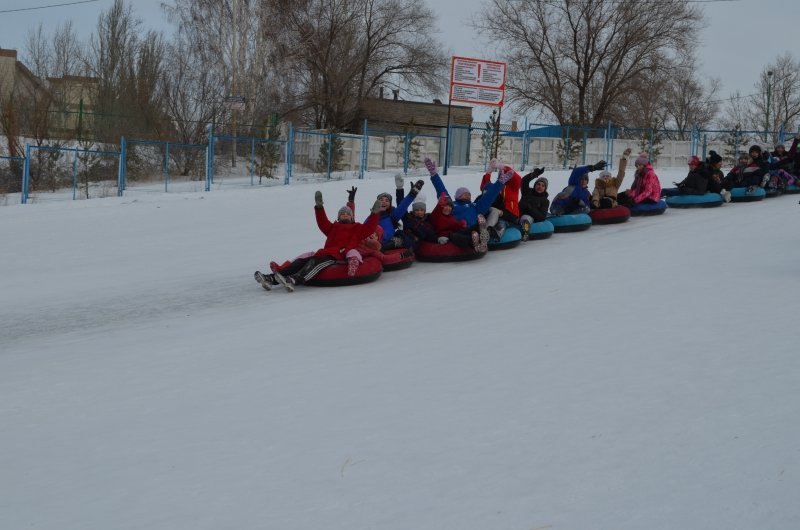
[15, 79]
[64, 99]
[394, 115]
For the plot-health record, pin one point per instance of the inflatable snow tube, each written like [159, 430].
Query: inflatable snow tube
[741, 195]
[397, 259]
[791, 189]
[510, 239]
[607, 216]
[541, 230]
[434, 252]
[336, 275]
[771, 193]
[707, 200]
[571, 222]
[643, 209]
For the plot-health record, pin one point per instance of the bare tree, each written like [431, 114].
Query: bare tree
[337, 53]
[191, 100]
[580, 56]
[128, 67]
[690, 101]
[226, 39]
[777, 103]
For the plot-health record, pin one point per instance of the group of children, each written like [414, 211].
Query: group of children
[773, 171]
[456, 218]
[511, 200]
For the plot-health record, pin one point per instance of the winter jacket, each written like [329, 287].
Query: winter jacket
[341, 237]
[607, 187]
[445, 224]
[753, 173]
[794, 156]
[715, 180]
[696, 182]
[532, 203]
[390, 219]
[419, 229]
[469, 211]
[571, 199]
[645, 186]
[508, 200]
[734, 178]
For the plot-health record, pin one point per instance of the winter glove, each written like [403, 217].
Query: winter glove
[443, 199]
[626, 153]
[442, 240]
[537, 171]
[398, 181]
[431, 166]
[506, 175]
[599, 165]
[376, 207]
[318, 199]
[351, 194]
[417, 186]
[494, 164]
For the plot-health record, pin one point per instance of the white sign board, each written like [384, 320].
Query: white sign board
[235, 102]
[477, 81]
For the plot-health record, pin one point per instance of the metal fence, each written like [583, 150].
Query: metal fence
[82, 170]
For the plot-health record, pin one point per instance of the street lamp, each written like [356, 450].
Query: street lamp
[769, 100]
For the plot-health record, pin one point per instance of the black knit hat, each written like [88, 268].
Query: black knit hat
[714, 158]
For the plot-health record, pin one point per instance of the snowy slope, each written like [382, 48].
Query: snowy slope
[633, 376]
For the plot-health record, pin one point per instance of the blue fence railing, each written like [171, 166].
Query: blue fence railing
[300, 154]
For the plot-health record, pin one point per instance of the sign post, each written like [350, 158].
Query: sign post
[474, 81]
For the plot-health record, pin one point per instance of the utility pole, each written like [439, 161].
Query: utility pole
[769, 100]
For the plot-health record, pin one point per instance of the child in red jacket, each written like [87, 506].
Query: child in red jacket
[343, 237]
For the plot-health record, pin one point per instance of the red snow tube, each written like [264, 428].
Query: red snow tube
[397, 259]
[447, 252]
[607, 216]
[336, 274]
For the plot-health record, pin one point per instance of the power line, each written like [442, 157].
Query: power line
[47, 7]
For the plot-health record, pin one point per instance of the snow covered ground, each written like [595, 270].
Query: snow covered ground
[634, 376]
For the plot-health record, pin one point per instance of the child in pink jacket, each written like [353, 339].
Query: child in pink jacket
[646, 188]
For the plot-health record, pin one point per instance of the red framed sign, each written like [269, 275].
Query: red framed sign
[477, 81]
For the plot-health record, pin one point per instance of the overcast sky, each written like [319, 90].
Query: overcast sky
[742, 35]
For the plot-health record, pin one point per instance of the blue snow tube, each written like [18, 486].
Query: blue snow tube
[741, 195]
[511, 238]
[791, 189]
[646, 208]
[541, 230]
[572, 222]
[707, 200]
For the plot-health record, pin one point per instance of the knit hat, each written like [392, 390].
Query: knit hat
[604, 173]
[714, 158]
[419, 202]
[384, 194]
[642, 159]
[780, 144]
[542, 179]
[460, 191]
[755, 148]
[345, 209]
[694, 161]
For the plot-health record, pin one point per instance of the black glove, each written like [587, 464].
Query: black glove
[416, 187]
[537, 171]
[318, 199]
[351, 194]
[599, 165]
